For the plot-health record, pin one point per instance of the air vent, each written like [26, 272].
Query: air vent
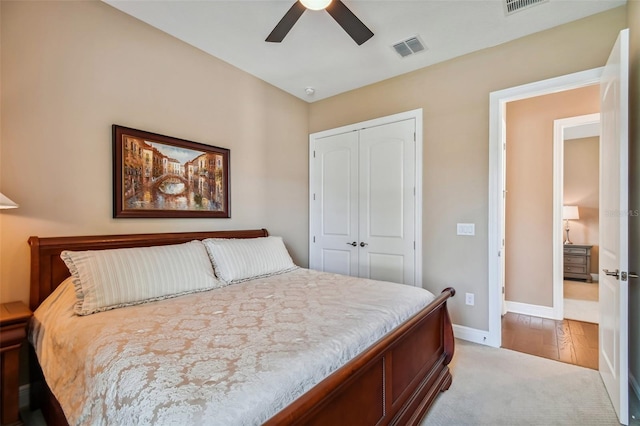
[513, 6]
[409, 46]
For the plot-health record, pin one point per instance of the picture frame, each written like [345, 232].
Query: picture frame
[158, 176]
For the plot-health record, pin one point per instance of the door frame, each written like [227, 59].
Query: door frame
[559, 128]
[497, 165]
[416, 115]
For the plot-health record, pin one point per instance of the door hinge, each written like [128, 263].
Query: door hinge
[414, 245]
[502, 289]
[414, 136]
[314, 238]
[314, 197]
[314, 153]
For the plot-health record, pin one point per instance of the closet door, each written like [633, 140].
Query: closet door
[362, 202]
[386, 228]
[334, 204]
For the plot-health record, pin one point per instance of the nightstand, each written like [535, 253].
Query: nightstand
[577, 262]
[14, 317]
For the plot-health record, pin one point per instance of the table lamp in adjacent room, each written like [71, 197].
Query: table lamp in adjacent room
[6, 203]
[569, 213]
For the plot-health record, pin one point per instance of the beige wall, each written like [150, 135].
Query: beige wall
[633, 22]
[581, 184]
[72, 69]
[455, 99]
[529, 182]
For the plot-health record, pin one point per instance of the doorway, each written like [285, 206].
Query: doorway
[547, 167]
[498, 192]
[534, 170]
[576, 184]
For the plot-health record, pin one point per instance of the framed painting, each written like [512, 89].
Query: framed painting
[163, 176]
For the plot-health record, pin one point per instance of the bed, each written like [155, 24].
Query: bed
[394, 380]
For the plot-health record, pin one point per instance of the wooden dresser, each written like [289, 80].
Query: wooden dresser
[577, 262]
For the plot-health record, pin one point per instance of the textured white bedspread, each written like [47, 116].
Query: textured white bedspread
[231, 356]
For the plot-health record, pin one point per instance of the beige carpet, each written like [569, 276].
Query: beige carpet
[581, 301]
[502, 387]
[580, 290]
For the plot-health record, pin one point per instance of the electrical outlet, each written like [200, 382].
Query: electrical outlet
[469, 299]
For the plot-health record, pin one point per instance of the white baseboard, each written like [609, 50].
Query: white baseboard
[23, 396]
[533, 310]
[471, 334]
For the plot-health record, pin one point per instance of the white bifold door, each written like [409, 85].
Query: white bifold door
[363, 202]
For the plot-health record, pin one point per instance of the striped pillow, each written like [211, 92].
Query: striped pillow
[108, 279]
[237, 260]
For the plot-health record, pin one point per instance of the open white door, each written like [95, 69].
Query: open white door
[614, 205]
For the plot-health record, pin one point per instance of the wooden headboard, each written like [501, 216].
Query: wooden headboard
[48, 270]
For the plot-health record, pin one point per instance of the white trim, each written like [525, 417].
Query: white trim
[416, 115]
[560, 127]
[497, 113]
[471, 334]
[407, 115]
[533, 310]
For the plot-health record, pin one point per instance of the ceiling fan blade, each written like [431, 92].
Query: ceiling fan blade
[286, 23]
[349, 22]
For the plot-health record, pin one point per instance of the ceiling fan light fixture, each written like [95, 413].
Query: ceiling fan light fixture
[315, 4]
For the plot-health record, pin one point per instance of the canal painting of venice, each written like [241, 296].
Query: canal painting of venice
[162, 176]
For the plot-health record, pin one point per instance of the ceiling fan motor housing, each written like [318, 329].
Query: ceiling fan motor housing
[338, 11]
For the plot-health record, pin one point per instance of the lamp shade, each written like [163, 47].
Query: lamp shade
[315, 4]
[570, 212]
[6, 203]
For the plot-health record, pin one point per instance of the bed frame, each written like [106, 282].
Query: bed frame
[394, 381]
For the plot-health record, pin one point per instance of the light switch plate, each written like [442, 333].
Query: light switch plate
[466, 229]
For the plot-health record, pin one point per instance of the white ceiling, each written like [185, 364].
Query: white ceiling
[318, 53]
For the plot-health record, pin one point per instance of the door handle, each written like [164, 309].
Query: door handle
[612, 273]
[352, 244]
[633, 275]
[363, 244]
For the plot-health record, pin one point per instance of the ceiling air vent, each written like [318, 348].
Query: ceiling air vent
[409, 46]
[513, 6]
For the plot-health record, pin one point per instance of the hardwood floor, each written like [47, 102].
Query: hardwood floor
[570, 341]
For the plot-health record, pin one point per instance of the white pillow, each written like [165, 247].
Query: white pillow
[241, 259]
[108, 279]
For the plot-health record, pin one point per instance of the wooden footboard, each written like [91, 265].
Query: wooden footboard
[394, 382]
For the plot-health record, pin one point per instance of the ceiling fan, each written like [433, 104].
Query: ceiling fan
[338, 10]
